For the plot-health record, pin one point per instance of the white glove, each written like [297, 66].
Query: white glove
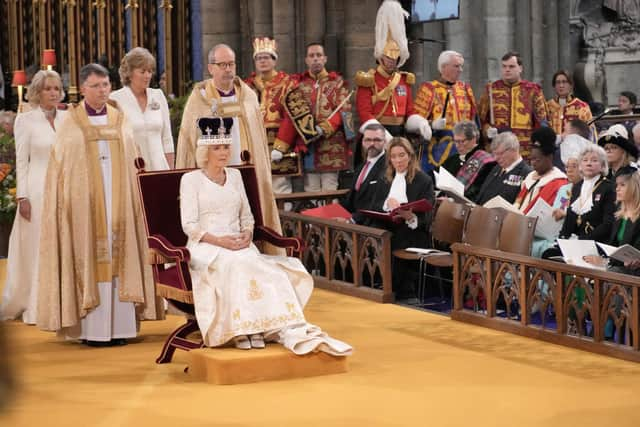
[558, 140]
[417, 123]
[319, 130]
[439, 124]
[276, 155]
[492, 132]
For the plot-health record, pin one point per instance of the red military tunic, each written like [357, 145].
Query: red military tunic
[432, 96]
[520, 107]
[384, 97]
[575, 108]
[324, 93]
[271, 92]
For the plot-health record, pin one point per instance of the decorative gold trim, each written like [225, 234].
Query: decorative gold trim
[170, 292]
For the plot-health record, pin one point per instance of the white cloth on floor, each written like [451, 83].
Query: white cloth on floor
[308, 338]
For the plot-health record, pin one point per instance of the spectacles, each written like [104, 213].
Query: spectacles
[460, 141]
[231, 64]
[373, 140]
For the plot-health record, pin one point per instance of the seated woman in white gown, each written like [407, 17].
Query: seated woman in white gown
[239, 293]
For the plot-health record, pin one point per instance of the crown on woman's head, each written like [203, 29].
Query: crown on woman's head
[215, 130]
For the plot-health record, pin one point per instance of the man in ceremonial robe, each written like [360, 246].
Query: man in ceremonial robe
[444, 102]
[513, 104]
[564, 107]
[384, 93]
[226, 95]
[271, 86]
[324, 96]
[93, 272]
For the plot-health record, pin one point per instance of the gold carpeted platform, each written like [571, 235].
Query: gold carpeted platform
[409, 368]
[233, 366]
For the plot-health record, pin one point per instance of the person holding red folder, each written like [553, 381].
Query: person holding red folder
[404, 182]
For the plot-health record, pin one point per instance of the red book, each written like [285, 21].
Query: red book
[334, 210]
[418, 206]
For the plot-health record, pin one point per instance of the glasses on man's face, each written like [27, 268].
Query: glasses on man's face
[459, 141]
[374, 140]
[225, 65]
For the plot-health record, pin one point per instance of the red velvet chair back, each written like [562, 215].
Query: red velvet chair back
[160, 194]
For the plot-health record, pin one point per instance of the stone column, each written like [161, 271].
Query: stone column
[256, 21]
[359, 35]
[314, 21]
[550, 57]
[500, 30]
[334, 37]
[538, 54]
[220, 24]
[284, 31]
[460, 35]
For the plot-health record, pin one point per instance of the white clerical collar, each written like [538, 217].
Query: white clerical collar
[514, 164]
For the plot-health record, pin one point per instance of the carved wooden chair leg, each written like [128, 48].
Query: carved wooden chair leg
[178, 339]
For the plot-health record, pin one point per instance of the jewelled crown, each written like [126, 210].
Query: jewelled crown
[215, 131]
[265, 45]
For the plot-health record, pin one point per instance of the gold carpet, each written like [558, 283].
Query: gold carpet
[410, 368]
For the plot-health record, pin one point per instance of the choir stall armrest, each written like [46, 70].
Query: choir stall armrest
[160, 247]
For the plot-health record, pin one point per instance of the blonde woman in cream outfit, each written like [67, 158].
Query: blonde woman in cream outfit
[146, 109]
[35, 134]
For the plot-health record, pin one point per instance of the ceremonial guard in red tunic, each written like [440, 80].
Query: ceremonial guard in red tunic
[317, 123]
[271, 86]
[514, 104]
[444, 102]
[384, 93]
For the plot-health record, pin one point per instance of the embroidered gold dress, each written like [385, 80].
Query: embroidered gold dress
[236, 292]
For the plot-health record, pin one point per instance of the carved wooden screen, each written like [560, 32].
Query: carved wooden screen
[84, 31]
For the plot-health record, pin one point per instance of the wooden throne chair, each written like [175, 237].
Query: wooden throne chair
[168, 255]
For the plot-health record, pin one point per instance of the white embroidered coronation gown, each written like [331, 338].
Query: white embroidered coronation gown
[236, 292]
[34, 139]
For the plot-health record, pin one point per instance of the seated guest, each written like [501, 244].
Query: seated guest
[570, 151]
[405, 182]
[626, 104]
[621, 153]
[592, 205]
[369, 175]
[471, 165]
[626, 227]
[579, 127]
[239, 294]
[545, 180]
[574, 127]
[506, 177]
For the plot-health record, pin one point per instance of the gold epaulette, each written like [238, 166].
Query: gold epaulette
[410, 78]
[365, 78]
